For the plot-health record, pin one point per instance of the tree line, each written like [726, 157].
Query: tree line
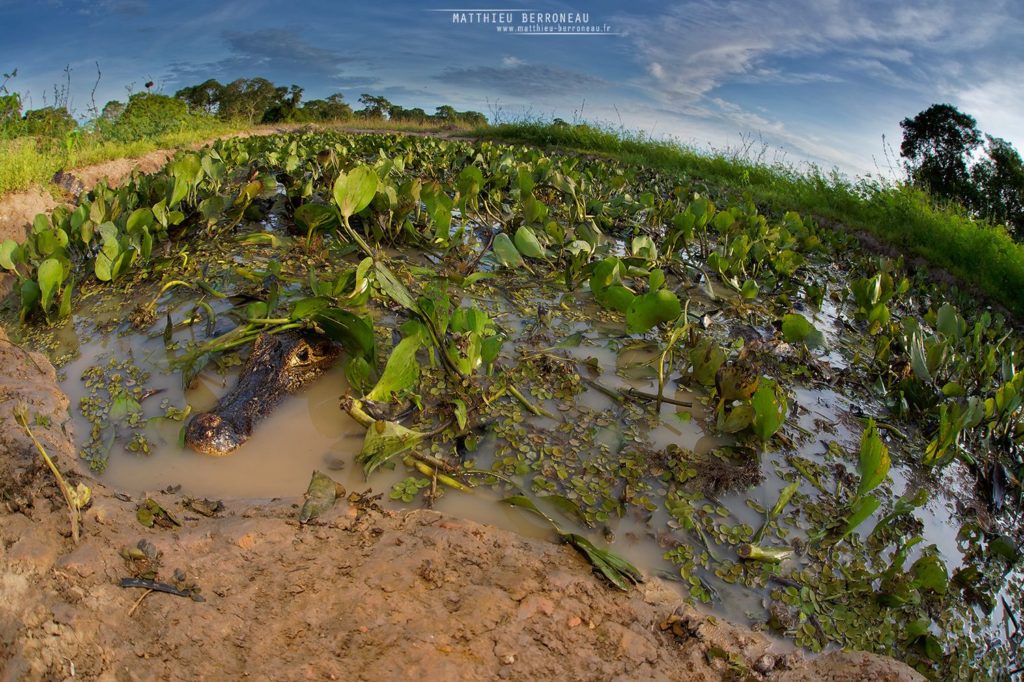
[257, 100]
[252, 100]
[947, 155]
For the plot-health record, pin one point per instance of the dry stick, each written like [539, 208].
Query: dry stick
[21, 416]
[620, 396]
[139, 601]
[483, 251]
[636, 393]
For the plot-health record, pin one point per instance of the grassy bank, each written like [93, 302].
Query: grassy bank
[27, 161]
[983, 256]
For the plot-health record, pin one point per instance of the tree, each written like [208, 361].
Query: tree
[249, 98]
[415, 115]
[287, 108]
[112, 111]
[446, 112]
[473, 118]
[333, 108]
[999, 182]
[10, 110]
[149, 114]
[205, 97]
[373, 106]
[937, 144]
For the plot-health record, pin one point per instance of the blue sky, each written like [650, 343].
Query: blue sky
[814, 80]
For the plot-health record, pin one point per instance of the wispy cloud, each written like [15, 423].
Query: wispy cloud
[696, 47]
[520, 79]
[699, 57]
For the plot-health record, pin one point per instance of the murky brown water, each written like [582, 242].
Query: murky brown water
[309, 431]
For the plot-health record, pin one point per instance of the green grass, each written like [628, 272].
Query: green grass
[981, 255]
[26, 161]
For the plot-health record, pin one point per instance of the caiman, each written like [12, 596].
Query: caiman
[278, 365]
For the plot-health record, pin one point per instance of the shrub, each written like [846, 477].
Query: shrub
[51, 122]
[149, 115]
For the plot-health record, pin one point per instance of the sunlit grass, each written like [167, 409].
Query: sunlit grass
[25, 162]
[982, 255]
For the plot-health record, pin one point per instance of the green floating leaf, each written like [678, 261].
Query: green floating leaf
[770, 407]
[751, 552]
[797, 329]
[351, 331]
[461, 413]
[949, 323]
[314, 217]
[49, 275]
[507, 253]
[528, 244]
[321, 495]
[357, 373]
[930, 574]
[784, 497]
[647, 311]
[617, 570]
[401, 372]
[571, 341]
[395, 290]
[874, 459]
[151, 514]
[123, 405]
[10, 254]
[354, 191]
[859, 512]
[383, 441]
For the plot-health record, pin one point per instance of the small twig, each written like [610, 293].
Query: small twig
[476, 261]
[635, 393]
[138, 601]
[21, 416]
[535, 409]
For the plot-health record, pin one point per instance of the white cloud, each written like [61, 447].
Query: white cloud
[923, 49]
[996, 103]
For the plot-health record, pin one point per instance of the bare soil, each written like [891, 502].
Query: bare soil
[364, 594]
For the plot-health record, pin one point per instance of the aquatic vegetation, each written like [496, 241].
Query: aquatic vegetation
[600, 340]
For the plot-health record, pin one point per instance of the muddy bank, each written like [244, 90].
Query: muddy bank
[366, 594]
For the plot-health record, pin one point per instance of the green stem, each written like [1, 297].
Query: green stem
[535, 409]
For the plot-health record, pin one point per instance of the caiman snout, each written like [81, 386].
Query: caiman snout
[211, 435]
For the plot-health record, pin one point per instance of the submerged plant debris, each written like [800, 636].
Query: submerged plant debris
[814, 439]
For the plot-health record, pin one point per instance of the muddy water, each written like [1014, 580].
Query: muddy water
[309, 431]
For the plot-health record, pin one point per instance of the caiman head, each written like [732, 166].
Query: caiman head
[279, 364]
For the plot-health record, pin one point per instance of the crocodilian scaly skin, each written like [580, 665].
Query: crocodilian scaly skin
[278, 365]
